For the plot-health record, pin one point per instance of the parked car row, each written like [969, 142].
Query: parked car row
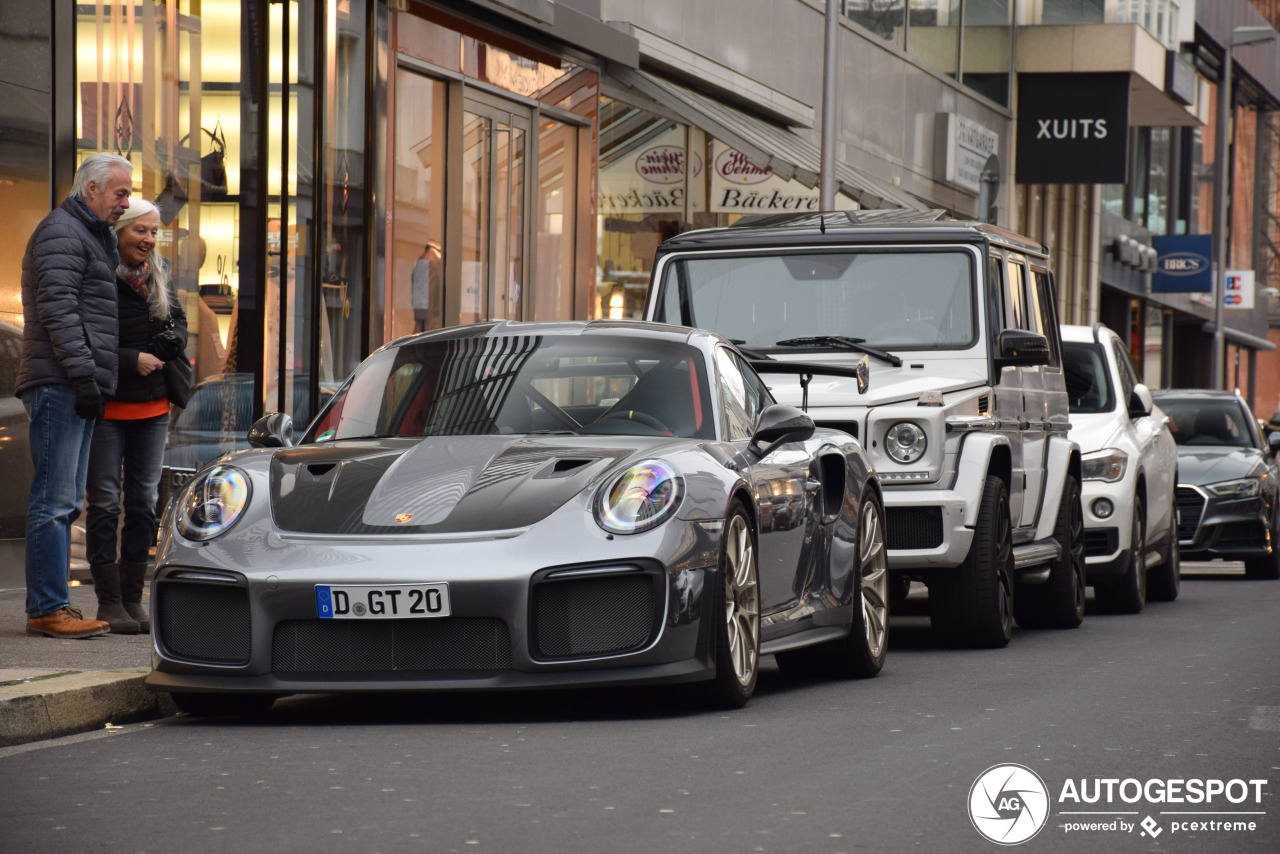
[824, 410]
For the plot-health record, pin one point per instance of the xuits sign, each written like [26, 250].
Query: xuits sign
[1073, 128]
[1183, 263]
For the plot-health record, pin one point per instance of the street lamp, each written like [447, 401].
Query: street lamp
[1239, 36]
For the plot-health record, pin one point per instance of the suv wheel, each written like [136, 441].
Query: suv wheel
[1058, 603]
[1265, 567]
[1128, 593]
[1164, 580]
[972, 605]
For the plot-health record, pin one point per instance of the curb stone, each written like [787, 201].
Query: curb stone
[69, 702]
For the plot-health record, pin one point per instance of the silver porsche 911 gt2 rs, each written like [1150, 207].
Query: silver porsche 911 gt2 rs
[524, 505]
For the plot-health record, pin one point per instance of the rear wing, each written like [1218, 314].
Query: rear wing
[808, 370]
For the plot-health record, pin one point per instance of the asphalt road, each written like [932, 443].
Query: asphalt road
[1188, 691]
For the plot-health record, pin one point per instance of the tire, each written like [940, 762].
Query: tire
[222, 705]
[1058, 603]
[972, 605]
[1164, 581]
[861, 654]
[1265, 567]
[737, 620]
[1128, 593]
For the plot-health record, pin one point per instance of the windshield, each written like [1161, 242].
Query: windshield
[1207, 422]
[917, 299]
[585, 385]
[1088, 381]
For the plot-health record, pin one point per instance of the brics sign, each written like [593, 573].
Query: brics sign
[1183, 264]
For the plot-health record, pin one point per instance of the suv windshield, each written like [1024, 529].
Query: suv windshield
[586, 385]
[1088, 382]
[917, 299]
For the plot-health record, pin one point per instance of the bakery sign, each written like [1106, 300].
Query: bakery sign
[740, 187]
[651, 179]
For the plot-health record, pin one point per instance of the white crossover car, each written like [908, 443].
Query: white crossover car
[1130, 473]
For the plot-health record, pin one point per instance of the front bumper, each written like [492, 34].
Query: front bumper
[514, 623]
[1107, 538]
[925, 528]
[1209, 526]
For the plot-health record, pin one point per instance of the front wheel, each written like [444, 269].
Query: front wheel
[1266, 567]
[1058, 602]
[1164, 581]
[1128, 593]
[737, 621]
[972, 605]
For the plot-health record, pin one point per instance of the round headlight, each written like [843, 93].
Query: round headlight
[213, 502]
[905, 442]
[638, 499]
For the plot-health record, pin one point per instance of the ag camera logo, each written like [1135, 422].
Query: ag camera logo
[1008, 804]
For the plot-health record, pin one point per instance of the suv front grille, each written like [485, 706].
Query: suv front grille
[850, 427]
[914, 527]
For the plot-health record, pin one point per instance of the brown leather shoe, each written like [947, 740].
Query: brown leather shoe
[66, 622]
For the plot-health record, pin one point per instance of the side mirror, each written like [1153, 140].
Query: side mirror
[1020, 347]
[273, 430]
[1140, 402]
[780, 424]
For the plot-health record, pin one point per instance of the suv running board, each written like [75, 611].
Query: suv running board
[1031, 560]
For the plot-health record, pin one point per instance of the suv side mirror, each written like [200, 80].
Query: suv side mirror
[1020, 347]
[780, 423]
[274, 430]
[1140, 403]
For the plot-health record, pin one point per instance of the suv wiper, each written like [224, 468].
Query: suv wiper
[844, 343]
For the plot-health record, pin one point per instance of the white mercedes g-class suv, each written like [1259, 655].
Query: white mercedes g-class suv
[934, 342]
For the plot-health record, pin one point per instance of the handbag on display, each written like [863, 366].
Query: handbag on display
[213, 166]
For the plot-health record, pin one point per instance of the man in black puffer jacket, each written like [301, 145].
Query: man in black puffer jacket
[68, 363]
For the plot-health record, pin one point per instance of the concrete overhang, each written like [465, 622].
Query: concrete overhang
[1083, 48]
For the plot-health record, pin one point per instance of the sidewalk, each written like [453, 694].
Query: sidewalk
[51, 687]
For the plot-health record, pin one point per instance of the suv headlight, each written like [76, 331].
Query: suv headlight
[639, 499]
[213, 502]
[1108, 465]
[1246, 488]
[905, 442]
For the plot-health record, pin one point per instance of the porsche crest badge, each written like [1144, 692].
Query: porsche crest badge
[401, 518]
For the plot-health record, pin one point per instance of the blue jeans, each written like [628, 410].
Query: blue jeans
[60, 442]
[128, 454]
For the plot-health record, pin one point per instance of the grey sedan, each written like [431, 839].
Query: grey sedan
[521, 505]
[1227, 480]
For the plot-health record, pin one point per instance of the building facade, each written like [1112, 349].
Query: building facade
[336, 173]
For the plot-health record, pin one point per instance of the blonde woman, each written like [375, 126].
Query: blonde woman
[128, 442]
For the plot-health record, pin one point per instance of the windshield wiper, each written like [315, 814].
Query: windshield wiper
[842, 342]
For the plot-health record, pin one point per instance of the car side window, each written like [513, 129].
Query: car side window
[1015, 300]
[1128, 377]
[739, 398]
[1042, 311]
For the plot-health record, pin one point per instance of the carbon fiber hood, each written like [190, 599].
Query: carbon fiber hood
[444, 484]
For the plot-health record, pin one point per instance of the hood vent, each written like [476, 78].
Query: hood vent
[563, 467]
[320, 469]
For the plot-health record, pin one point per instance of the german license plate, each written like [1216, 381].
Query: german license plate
[382, 602]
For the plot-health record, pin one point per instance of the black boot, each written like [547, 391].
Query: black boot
[133, 580]
[106, 584]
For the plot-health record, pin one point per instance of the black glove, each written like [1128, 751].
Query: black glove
[166, 345]
[88, 398]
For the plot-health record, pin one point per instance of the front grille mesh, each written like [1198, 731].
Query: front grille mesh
[593, 616]
[364, 646]
[914, 527]
[204, 622]
[1190, 510]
